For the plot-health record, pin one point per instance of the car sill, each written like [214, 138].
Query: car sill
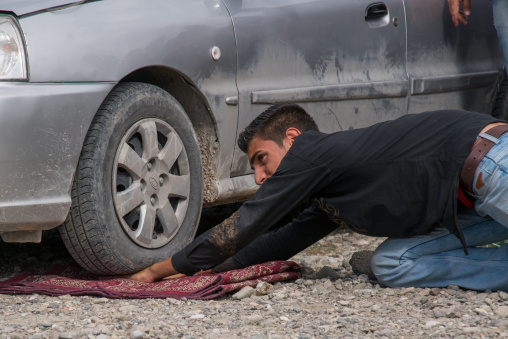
[234, 189]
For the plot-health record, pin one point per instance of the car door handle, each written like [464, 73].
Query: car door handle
[376, 11]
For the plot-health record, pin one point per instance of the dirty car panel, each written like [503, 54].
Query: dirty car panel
[302, 52]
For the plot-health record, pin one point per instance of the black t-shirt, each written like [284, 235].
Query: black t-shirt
[393, 179]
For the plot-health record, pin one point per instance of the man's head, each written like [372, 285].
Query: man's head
[268, 137]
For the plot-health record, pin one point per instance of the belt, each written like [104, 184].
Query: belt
[480, 148]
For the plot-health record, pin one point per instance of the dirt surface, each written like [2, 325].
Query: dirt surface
[329, 302]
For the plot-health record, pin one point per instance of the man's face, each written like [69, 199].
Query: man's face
[265, 155]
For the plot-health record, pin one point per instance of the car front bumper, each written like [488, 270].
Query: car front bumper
[42, 129]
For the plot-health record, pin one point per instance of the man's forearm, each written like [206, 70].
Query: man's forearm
[283, 243]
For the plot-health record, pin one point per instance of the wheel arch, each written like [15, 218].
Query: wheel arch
[197, 109]
[182, 89]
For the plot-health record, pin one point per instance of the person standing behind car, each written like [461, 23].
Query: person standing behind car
[500, 10]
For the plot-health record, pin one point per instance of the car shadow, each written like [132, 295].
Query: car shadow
[39, 257]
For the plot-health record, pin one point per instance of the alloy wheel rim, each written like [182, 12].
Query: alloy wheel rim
[151, 183]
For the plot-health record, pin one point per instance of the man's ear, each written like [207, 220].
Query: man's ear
[291, 135]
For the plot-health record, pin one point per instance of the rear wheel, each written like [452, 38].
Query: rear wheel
[137, 191]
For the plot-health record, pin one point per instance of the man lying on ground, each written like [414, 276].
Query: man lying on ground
[397, 179]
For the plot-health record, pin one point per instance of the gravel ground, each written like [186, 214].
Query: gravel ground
[350, 306]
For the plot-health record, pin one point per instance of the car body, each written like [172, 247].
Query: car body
[349, 63]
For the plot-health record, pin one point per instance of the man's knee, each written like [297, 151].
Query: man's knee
[386, 266]
[381, 264]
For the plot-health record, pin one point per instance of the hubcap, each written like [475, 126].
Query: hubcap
[151, 183]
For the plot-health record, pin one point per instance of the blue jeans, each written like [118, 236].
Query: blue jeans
[490, 184]
[500, 9]
[437, 259]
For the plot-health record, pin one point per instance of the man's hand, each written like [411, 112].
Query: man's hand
[143, 276]
[155, 272]
[457, 15]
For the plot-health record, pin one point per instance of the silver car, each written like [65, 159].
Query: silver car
[119, 118]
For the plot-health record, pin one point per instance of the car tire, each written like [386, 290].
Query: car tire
[500, 106]
[138, 188]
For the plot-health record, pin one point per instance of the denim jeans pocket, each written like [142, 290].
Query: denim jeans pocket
[483, 177]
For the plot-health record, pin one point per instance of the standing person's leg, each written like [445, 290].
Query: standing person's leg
[438, 259]
[500, 9]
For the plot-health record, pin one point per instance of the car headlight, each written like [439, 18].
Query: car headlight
[12, 50]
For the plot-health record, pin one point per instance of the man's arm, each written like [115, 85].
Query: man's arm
[457, 15]
[281, 244]
[295, 180]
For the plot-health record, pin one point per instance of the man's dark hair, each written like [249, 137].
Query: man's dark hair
[273, 123]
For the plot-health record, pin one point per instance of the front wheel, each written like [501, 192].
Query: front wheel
[138, 189]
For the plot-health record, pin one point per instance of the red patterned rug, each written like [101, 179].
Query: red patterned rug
[73, 280]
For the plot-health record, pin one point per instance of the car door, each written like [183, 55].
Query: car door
[448, 66]
[342, 60]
